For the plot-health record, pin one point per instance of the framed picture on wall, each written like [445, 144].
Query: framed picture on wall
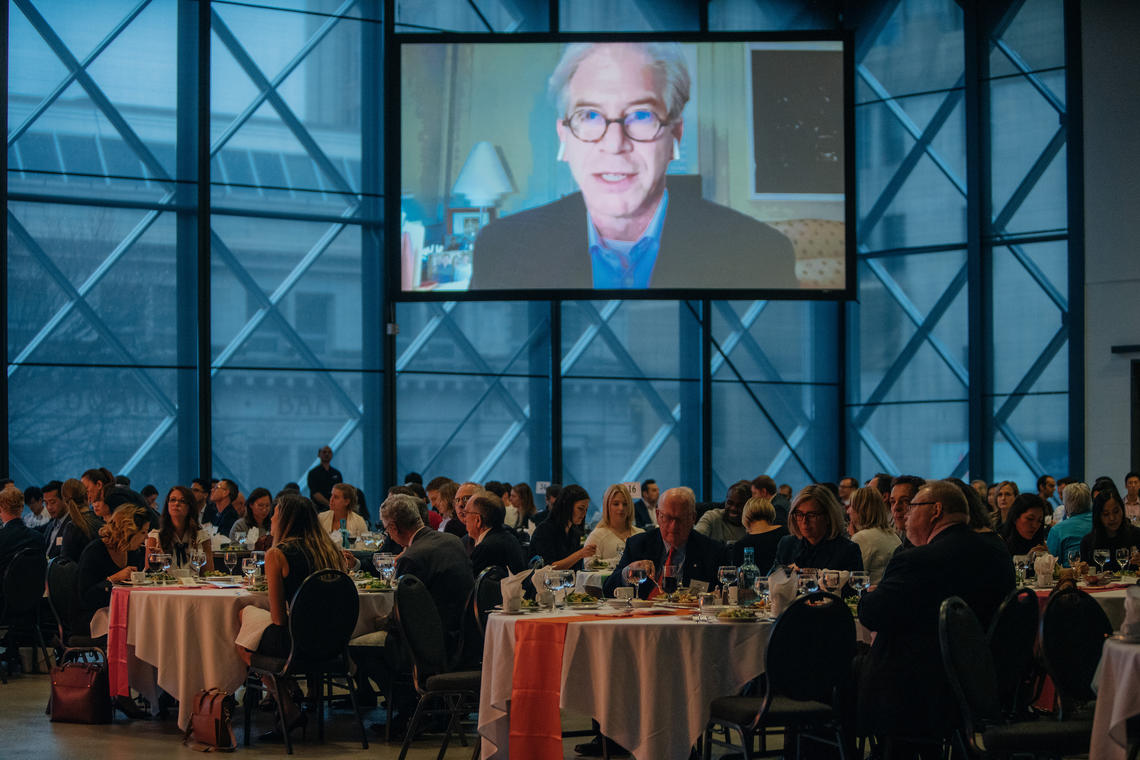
[464, 222]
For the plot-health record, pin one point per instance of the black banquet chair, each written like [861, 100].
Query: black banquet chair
[973, 680]
[322, 616]
[458, 690]
[806, 665]
[23, 590]
[1073, 630]
[1012, 638]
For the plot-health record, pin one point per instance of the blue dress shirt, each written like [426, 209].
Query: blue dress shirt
[618, 266]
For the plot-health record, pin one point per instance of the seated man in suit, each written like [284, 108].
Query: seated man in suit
[645, 508]
[493, 543]
[15, 536]
[673, 543]
[948, 559]
[621, 125]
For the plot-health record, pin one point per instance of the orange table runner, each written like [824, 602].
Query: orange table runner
[536, 683]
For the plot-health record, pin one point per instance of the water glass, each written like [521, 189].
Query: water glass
[809, 580]
[625, 593]
[167, 560]
[240, 536]
[552, 581]
[707, 602]
[197, 561]
[860, 580]
[761, 588]
[1100, 557]
[249, 569]
[259, 558]
[230, 558]
[1122, 557]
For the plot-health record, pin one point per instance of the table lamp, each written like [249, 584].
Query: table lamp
[483, 179]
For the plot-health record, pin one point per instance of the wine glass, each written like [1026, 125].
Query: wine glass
[249, 569]
[761, 589]
[726, 574]
[1073, 557]
[230, 558]
[552, 581]
[259, 558]
[154, 561]
[1021, 564]
[809, 580]
[1100, 557]
[860, 580]
[1122, 557]
[197, 561]
[167, 560]
[670, 578]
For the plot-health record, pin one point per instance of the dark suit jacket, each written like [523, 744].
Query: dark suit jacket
[439, 560]
[498, 547]
[703, 556]
[641, 516]
[15, 536]
[703, 245]
[905, 661]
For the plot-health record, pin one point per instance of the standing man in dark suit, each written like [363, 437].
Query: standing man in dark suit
[673, 543]
[493, 544]
[645, 508]
[322, 478]
[948, 559]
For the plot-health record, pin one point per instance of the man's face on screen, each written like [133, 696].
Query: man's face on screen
[622, 180]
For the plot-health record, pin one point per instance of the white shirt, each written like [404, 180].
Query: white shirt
[609, 543]
[877, 546]
[355, 523]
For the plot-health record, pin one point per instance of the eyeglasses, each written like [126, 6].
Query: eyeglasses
[590, 125]
[807, 516]
[914, 504]
[664, 519]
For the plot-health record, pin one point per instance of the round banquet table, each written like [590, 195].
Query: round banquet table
[1117, 698]
[182, 640]
[648, 681]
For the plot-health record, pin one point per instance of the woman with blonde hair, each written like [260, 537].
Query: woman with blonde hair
[817, 537]
[113, 558]
[301, 547]
[342, 506]
[764, 533]
[83, 524]
[871, 528]
[616, 525]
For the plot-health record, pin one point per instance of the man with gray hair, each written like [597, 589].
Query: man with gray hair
[1066, 535]
[948, 559]
[673, 542]
[620, 125]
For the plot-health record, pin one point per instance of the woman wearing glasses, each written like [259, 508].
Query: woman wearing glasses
[818, 539]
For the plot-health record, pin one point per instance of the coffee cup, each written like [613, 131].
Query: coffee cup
[137, 577]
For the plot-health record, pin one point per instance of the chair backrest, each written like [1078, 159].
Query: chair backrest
[1012, 636]
[810, 648]
[24, 582]
[63, 595]
[487, 593]
[322, 616]
[968, 665]
[1073, 630]
[421, 628]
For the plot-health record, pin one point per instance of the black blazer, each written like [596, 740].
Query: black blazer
[641, 517]
[498, 547]
[439, 560]
[15, 536]
[703, 245]
[703, 556]
[905, 660]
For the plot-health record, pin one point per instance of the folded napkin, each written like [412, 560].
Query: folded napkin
[217, 541]
[211, 529]
[1043, 566]
[1131, 624]
[252, 535]
[782, 588]
[511, 586]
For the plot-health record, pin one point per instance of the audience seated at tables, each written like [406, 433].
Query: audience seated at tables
[57, 511]
[558, 539]
[434, 496]
[222, 511]
[83, 524]
[1024, 528]
[454, 520]
[112, 558]
[616, 525]
[494, 544]
[522, 509]
[342, 506]
[674, 542]
[301, 549]
[179, 533]
[979, 516]
[1111, 531]
[871, 529]
[1065, 537]
[258, 514]
[724, 524]
[903, 690]
[763, 536]
[818, 539]
[645, 508]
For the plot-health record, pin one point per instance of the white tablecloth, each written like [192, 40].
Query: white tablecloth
[648, 681]
[1117, 699]
[183, 640]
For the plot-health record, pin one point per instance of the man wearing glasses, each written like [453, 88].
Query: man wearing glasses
[903, 690]
[620, 126]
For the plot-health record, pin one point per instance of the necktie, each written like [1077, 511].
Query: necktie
[661, 574]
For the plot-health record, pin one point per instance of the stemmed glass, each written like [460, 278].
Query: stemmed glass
[860, 580]
[197, 561]
[1100, 557]
[553, 582]
[166, 560]
[726, 574]
[249, 569]
[634, 575]
[670, 578]
[1122, 557]
[568, 578]
[154, 561]
[230, 558]
[259, 558]
[809, 580]
[1021, 563]
[761, 589]
[385, 565]
[1073, 557]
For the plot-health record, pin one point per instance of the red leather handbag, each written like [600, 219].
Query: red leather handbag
[80, 689]
[211, 726]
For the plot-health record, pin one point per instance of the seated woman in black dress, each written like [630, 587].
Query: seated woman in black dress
[759, 519]
[1110, 531]
[558, 539]
[1024, 528]
[300, 548]
[818, 539]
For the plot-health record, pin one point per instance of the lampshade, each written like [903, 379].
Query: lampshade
[483, 178]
